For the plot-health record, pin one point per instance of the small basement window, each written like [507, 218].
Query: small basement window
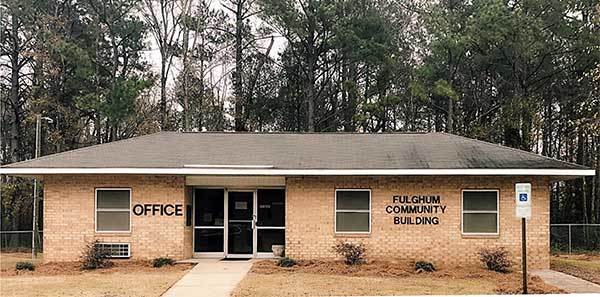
[113, 210]
[480, 212]
[353, 211]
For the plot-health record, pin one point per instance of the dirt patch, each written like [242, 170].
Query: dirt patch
[501, 283]
[583, 266]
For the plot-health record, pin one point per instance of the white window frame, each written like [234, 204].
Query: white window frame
[463, 211]
[336, 210]
[96, 209]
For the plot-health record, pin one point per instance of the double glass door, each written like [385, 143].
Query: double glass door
[238, 223]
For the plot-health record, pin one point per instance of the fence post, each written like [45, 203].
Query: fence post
[569, 238]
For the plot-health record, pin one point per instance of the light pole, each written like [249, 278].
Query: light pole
[35, 233]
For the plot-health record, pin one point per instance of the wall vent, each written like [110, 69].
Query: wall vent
[115, 250]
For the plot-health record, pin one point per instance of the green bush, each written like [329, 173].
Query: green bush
[93, 257]
[25, 266]
[496, 259]
[162, 261]
[424, 266]
[353, 253]
[286, 262]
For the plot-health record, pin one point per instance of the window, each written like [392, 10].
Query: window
[113, 210]
[270, 223]
[209, 226]
[352, 211]
[480, 212]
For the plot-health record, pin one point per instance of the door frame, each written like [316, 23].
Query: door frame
[194, 227]
[253, 222]
[225, 254]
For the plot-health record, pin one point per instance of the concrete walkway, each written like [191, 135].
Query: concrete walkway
[567, 282]
[210, 278]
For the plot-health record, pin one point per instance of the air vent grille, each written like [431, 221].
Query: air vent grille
[115, 250]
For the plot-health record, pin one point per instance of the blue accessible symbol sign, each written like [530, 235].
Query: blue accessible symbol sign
[523, 197]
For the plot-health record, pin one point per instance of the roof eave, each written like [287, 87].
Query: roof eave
[298, 172]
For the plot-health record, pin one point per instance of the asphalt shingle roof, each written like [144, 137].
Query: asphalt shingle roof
[299, 151]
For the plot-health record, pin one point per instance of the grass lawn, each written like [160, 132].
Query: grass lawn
[583, 266]
[312, 278]
[8, 260]
[125, 278]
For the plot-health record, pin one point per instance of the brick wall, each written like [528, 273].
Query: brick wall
[69, 216]
[310, 219]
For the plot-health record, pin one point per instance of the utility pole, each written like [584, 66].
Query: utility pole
[35, 233]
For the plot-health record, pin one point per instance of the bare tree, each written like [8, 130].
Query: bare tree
[163, 18]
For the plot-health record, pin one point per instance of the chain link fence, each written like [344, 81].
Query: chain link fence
[575, 238]
[19, 241]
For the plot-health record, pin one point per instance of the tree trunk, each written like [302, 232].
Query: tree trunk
[15, 104]
[239, 124]
[310, 69]
[450, 122]
[163, 91]
[186, 66]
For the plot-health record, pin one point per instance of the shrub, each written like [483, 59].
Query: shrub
[25, 266]
[93, 257]
[353, 253]
[286, 262]
[162, 261]
[424, 266]
[496, 259]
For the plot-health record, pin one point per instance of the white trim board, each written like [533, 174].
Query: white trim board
[235, 181]
[295, 172]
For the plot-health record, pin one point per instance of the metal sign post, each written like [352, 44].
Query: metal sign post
[523, 211]
[524, 253]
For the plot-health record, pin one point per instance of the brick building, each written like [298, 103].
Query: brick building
[433, 196]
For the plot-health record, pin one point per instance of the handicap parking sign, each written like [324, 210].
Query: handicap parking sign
[523, 197]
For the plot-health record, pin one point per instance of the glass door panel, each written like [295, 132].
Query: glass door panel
[270, 219]
[240, 223]
[209, 227]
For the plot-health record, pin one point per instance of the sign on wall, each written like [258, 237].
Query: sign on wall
[158, 210]
[523, 200]
[416, 210]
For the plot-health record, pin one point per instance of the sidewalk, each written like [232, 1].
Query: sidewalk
[567, 282]
[210, 278]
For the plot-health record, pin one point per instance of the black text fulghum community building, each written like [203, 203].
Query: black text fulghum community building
[433, 196]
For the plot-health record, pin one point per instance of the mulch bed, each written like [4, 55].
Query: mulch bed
[507, 283]
[73, 268]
